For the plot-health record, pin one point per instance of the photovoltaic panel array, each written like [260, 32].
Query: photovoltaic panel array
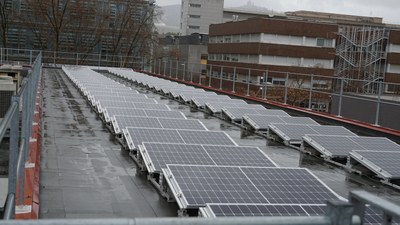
[158, 155]
[340, 146]
[194, 186]
[372, 215]
[293, 133]
[384, 164]
[216, 107]
[136, 136]
[112, 111]
[236, 114]
[261, 122]
[121, 122]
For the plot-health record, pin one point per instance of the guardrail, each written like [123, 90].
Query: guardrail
[18, 120]
[337, 213]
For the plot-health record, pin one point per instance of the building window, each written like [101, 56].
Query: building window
[194, 16]
[321, 42]
[195, 5]
[278, 81]
[194, 27]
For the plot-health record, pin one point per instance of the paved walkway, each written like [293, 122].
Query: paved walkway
[84, 174]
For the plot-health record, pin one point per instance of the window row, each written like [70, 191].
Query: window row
[273, 60]
[275, 39]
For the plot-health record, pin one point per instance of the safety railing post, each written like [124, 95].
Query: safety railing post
[341, 96]
[184, 71]
[159, 66]
[378, 103]
[177, 69]
[265, 86]
[221, 78]
[170, 68]
[13, 148]
[234, 80]
[30, 57]
[248, 83]
[286, 88]
[77, 58]
[310, 94]
[209, 76]
[191, 72]
[165, 66]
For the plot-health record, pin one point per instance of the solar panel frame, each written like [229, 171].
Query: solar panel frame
[384, 163]
[293, 133]
[158, 155]
[194, 185]
[340, 146]
[135, 136]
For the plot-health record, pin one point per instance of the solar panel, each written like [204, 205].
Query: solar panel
[293, 133]
[206, 137]
[182, 124]
[223, 210]
[289, 186]
[372, 215]
[216, 107]
[238, 156]
[198, 185]
[158, 155]
[141, 105]
[261, 122]
[121, 122]
[340, 146]
[136, 136]
[164, 114]
[237, 114]
[384, 164]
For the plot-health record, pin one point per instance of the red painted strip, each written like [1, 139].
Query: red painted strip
[294, 108]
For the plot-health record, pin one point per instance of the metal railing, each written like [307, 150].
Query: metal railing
[311, 91]
[337, 213]
[19, 121]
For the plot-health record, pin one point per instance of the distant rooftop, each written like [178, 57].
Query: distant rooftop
[251, 8]
[335, 17]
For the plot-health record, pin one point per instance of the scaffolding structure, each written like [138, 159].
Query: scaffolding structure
[361, 55]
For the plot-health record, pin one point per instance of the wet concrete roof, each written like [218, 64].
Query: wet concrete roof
[84, 173]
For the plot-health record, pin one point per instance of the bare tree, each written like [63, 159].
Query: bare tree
[4, 23]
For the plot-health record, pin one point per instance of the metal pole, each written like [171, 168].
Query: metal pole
[30, 57]
[378, 103]
[209, 76]
[184, 71]
[99, 63]
[220, 81]
[265, 85]
[177, 69]
[77, 58]
[191, 73]
[13, 153]
[234, 80]
[159, 66]
[54, 58]
[1, 56]
[165, 65]
[311, 88]
[10, 207]
[248, 83]
[286, 87]
[170, 68]
[200, 73]
[341, 96]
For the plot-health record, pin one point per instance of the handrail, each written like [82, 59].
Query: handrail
[24, 100]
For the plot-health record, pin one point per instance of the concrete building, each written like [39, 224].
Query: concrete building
[197, 15]
[274, 45]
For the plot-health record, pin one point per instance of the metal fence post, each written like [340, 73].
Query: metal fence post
[209, 76]
[13, 153]
[30, 57]
[1, 56]
[159, 66]
[191, 72]
[165, 66]
[99, 62]
[177, 69]
[220, 81]
[311, 89]
[248, 83]
[200, 73]
[286, 88]
[378, 103]
[54, 58]
[265, 84]
[170, 68]
[77, 58]
[234, 80]
[184, 71]
[341, 96]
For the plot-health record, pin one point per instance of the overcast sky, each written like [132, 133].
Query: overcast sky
[388, 9]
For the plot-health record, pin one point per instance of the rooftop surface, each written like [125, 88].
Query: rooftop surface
[84, 173]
